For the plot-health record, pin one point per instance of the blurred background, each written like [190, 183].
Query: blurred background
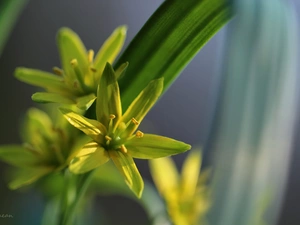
[184, 112]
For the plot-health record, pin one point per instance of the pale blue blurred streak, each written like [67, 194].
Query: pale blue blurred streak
[256, 118]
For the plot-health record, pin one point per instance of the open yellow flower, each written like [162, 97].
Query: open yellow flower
[77, 81]
[114, 133]
[186, 197]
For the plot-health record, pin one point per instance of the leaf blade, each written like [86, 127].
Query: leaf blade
[182, 28]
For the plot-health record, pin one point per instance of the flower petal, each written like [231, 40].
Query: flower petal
[71, 47]
[109, 50]
[142, 104]
[120, 72]
[89, 157]
[17, 155]
[190, 174]
[27, 176]
[152, 146]
[36, 128]
[127, 167]
[165, 176]
[108, 97]
[92, 128]
[86, 101]
[45, 97]
[42, 79]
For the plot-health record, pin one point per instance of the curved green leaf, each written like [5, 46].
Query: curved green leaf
[168, 41]
[9, 11]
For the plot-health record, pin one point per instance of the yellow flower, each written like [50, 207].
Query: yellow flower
[77, 81]
[186, 197]
[47, 147]
[114, 132]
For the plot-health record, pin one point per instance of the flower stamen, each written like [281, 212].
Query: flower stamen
[139, 134]
[108, 139]
[133, 120]
[58, 71]
[93, 69]
[78, 73]
[123, 149]
[91, 56]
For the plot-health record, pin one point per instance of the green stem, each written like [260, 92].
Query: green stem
[70, 205]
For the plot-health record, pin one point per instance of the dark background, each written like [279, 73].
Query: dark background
[184, 112]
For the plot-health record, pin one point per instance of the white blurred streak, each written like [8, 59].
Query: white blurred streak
[256, 120]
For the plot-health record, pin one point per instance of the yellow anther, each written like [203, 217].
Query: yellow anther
[93, 69]
[108, 138]
[139, 134]
[74, 62]
[135, 121]
[58, 71]
[123, 149]
[90, 56]
[112, 116]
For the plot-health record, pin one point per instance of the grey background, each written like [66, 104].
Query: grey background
[184, 112]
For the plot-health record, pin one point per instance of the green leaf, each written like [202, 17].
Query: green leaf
[88, 158]
[45, 97]
[153, 146]
[9, 12]
[27, 176]
[92, 128]
[17, 155]
[42, 79]
[108, 97]
[127, 167]
[168, 42]
[110, 49]
[85, 102]
[71, 47]
[142, 104]
[165, 175]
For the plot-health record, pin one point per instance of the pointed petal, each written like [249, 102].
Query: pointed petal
[108, 97]
[120, 72]
[71, 47]
[127, 167]
[79, 143]
[109, 50]
[165, 175]
[88, 158]
[153, 146]
[190, 173]
[45, 97]
[27, 176]
[92, 128]
[86, 101]
[36, 128]
[17, 155]
[142, 104]
[42, 79]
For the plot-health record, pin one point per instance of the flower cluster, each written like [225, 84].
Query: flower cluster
[77, 81]
[113, 135]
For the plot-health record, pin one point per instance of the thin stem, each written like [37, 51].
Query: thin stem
[82, 185]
